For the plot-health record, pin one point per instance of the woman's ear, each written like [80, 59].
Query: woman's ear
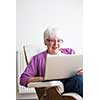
[45, 43]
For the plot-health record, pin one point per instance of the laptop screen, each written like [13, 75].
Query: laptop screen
[58, 67]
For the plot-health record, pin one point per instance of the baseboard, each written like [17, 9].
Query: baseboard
[26, 96]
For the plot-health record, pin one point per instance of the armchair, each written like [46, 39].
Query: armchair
[51, 90]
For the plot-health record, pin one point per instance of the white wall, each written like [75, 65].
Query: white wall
[33, 16]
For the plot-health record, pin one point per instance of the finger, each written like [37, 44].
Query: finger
[80, 73]
[79, 70]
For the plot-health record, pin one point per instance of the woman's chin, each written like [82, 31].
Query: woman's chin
[55, 52]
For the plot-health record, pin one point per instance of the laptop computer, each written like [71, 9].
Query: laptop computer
[59, 67]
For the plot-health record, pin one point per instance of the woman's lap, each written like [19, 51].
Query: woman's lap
[73, 84]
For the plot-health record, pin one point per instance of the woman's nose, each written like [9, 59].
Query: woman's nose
[55, 42]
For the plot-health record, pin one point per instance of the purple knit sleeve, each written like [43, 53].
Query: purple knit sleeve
[36, 67]
[67, 50]
[30, 71]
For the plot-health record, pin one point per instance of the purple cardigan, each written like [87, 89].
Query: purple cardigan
[36, 67]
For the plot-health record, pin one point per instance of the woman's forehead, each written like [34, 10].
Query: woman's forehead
[55, 36]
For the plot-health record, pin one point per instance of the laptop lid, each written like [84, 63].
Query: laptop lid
[58, 67]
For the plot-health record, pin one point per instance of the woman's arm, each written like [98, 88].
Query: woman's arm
[29, 72]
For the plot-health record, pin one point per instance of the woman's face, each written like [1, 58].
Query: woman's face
[53, 45]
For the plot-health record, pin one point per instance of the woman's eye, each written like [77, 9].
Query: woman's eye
[58, 40]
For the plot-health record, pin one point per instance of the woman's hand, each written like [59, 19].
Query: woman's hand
[35, 79]
[80, 72]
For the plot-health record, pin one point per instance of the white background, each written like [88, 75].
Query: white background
[91, 40]
[34, 16]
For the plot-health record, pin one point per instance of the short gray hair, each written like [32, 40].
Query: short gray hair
[50, 32]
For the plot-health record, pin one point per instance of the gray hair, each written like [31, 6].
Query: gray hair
[50, 32]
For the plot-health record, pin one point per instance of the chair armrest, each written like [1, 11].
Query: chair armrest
[48, 84]
[74, 95]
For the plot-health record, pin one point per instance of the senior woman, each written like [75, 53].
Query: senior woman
[35, 70]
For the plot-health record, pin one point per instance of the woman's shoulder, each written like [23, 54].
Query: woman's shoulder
[40, 55]
[67, 50]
